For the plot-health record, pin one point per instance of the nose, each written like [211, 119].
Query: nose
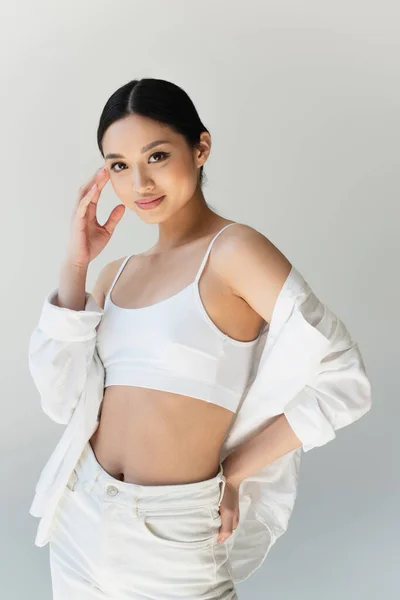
[141, 182]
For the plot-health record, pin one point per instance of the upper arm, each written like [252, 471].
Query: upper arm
[253, 267]
[104, 280]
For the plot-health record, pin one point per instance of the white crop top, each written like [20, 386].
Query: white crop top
[174, 346]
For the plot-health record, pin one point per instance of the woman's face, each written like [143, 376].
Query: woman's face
[169, 169]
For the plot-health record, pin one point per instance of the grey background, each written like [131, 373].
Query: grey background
[302, 103]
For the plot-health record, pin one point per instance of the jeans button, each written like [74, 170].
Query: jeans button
[112, 490]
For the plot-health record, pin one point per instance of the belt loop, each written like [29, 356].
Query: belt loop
[223, 481]
[72, 480]
[89, 484]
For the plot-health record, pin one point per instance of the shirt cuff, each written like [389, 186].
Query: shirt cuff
[67, 324]
[308, 421]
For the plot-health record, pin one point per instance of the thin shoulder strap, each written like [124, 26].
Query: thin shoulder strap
[199, 272]
[118, 274]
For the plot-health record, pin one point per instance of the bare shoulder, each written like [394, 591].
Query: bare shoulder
[105, 279]
[242, 233]
[254, 245]
[253, 267]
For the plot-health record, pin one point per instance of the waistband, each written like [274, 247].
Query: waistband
[95, 479]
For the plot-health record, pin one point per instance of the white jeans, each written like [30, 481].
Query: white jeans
[117, 540]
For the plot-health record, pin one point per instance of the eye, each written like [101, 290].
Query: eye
[113, 165]
[163, 154]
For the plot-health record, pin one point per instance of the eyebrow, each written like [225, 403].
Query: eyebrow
[142, 150]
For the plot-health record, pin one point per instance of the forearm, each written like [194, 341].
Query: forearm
[276, 440]
[72, 286]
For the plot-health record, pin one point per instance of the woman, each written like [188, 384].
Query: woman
[160, 432]
[149, 506]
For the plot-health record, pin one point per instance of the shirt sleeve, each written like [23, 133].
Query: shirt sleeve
[61, 349]
[339, 392]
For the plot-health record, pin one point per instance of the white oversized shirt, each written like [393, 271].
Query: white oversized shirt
[305, 365]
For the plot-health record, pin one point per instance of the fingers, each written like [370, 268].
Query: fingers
[100, 178]
[228, 525]
[92, 195]
[116, 215]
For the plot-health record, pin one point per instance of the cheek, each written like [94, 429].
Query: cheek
[179, 177]
[120, 185]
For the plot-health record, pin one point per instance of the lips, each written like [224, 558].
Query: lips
[149, 204]
[147, 200]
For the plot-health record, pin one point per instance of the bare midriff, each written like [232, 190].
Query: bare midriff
[152, 437]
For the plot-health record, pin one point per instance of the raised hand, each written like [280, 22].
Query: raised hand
[87, 237]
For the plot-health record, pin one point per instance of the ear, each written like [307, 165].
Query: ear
[203, 149]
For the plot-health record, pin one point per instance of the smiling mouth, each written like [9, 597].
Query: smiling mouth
[148, 200]
[150, 204]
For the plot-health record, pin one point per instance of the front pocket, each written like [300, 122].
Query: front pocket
[188, 528]
[215, 514]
